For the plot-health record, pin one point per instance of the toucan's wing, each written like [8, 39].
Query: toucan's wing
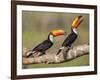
[69, 40]
[43, 46]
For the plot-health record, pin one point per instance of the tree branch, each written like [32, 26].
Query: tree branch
[63, 56]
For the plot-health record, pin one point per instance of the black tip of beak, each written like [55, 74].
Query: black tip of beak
[80, 16]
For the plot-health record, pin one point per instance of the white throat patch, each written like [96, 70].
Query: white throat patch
[74, 30]
[51, 38]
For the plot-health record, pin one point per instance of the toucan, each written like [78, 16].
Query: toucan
[46, 44]
[73, 35]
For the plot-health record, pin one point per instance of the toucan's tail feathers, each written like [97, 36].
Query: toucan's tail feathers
[30, 53]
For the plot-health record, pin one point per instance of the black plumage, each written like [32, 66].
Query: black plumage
[42, 47]
[68, 41]
[45, 45]
[73, 35]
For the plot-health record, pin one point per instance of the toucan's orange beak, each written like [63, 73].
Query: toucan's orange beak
[76, 22]
[58, 32]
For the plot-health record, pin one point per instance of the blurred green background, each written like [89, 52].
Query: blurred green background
[37, 25]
